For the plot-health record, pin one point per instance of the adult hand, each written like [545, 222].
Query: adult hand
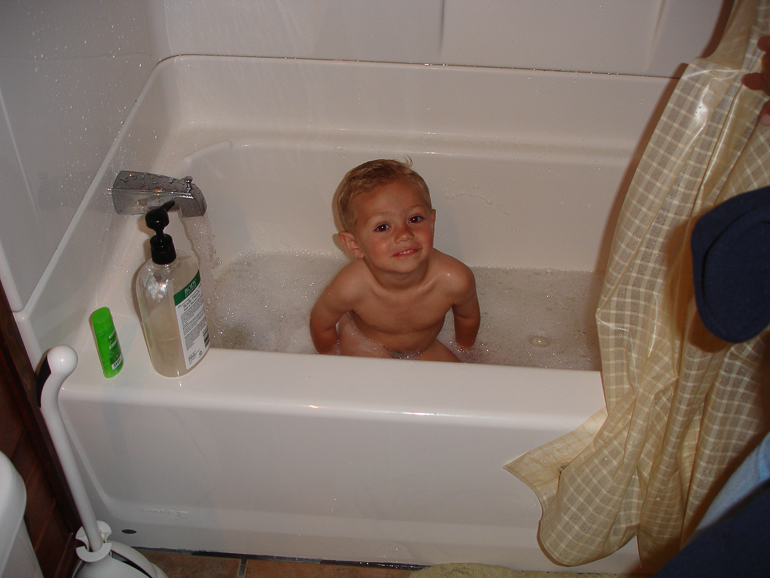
[761, 80]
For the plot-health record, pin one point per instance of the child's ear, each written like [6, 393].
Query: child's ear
[351, 244]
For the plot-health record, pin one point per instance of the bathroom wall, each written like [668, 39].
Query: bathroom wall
[70, 72]
[49, 515]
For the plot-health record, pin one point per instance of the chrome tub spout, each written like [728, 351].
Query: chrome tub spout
[136, 193]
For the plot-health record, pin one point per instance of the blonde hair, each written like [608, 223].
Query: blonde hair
[364, 178]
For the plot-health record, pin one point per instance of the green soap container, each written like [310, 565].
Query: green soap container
[107, 342]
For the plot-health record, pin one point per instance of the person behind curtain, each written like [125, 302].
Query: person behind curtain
[731, 273]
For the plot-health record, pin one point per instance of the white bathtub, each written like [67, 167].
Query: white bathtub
[318, 457]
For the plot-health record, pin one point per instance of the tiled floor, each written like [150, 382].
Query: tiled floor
[177, 565]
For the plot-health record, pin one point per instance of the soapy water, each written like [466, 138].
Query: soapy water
[529, 317]
[535, 318]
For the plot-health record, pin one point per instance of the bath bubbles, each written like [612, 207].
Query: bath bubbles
[539, 341]
[535, 318]
[529, 317]
[264, 300]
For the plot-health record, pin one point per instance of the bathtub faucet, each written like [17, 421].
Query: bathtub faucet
[135, 193]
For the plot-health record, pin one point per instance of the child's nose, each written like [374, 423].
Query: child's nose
[404, 233]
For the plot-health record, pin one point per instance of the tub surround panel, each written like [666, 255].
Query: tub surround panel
[477, 105]
[618, 37]
[96, 233]
[18, 221]
[69, 74]
[637, 38]
[375, 30]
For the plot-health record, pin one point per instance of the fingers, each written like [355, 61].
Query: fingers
[755, 80]
[761, 80]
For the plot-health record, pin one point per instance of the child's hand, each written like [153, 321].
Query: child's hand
[761, 80]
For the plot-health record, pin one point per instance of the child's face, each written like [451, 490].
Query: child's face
[393, 228]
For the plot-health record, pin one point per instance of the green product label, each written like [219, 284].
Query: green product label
[191, 316]
[110, 353]
[187, 291]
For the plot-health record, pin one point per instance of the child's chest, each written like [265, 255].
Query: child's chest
[415, 308]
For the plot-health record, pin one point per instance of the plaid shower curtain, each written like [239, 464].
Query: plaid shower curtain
[682, 407]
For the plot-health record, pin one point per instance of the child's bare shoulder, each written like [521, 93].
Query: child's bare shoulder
[350, 282]
[454, 272]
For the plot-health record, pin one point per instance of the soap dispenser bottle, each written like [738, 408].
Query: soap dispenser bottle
[171, 302]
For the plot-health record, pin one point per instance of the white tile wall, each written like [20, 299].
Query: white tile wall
[69, 72]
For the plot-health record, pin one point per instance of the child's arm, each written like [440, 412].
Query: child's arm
[323, 333]
[467, 315]
[327, 311]
[323, 324]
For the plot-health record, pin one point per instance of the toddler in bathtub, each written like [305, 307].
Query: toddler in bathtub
[391, 301]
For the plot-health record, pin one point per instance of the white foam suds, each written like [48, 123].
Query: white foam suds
[529, 317]
[535, 318]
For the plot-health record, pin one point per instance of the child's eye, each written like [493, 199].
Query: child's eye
[416, 219]
[381, 228]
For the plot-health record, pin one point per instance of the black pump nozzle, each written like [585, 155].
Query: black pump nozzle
[161, 245]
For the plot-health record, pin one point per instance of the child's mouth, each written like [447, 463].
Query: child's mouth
[406, 252]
